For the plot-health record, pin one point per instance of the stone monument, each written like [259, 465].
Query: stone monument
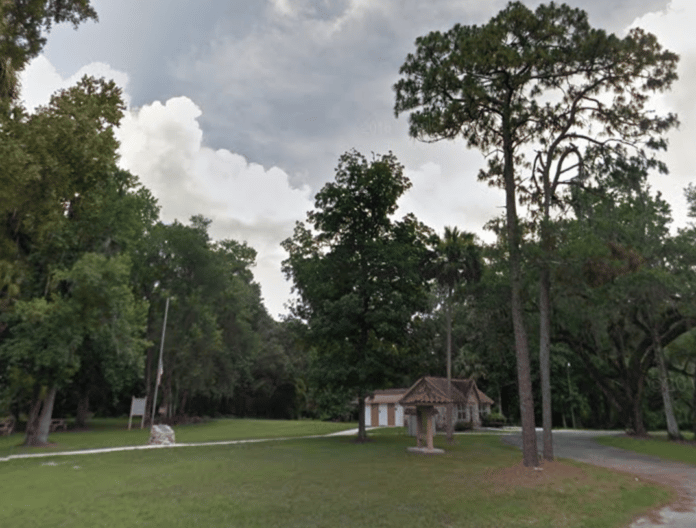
[161, 435]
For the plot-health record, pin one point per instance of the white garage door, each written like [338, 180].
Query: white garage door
[383, 414]
[399, 416]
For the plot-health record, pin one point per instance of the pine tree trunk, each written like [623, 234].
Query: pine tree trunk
[524, 378]
[545, 319]
[450, 424]
[545, 359]
[362, 354]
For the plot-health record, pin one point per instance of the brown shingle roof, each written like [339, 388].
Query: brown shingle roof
[433, 391]
[482, 397]
[385, 396]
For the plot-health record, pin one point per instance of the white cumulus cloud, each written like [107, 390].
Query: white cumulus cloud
[163, 144]
[673, 26]
[40, 80]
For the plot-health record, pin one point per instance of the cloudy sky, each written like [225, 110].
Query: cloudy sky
[240, 110]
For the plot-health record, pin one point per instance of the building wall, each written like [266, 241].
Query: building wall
[378, 415]
[372, 415]
[467, 413]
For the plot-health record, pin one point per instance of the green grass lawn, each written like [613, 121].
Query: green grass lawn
[113, 432]
[318, 482]
[656, 445]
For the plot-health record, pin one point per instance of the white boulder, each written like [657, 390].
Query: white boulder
[161, 435]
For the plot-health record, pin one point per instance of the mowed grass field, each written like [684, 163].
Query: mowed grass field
[318, 482]
[656, 445]
[113, 432]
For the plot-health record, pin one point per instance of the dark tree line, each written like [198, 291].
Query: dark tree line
[86, 266]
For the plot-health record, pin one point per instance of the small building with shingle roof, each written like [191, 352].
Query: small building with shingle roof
[469, 402]
[428, 399]
[382, 408]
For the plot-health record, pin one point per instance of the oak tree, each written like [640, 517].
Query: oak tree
[359, 274]
[23, 24]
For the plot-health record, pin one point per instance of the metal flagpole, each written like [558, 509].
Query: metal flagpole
[159, 365]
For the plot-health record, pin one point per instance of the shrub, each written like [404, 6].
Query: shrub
[463, 425]
[493, 420]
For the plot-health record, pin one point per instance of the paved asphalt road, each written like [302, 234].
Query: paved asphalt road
[580, 445]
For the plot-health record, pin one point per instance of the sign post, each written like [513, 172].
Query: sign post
[137, 409]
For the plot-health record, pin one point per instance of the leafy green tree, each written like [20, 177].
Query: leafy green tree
[685, 264]
[52, 160]
[617, 77]
[619, 283]
[657, 289]
[216, 324]
[359, 274]
[41, 341]
[56, 158]
[22, 25]
[681, 362]
[484, 84]
[91, 316]
[110, 220]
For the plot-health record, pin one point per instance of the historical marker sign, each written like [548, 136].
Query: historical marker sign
[137, 409]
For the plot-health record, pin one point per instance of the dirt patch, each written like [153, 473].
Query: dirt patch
[674, 478]
[546, 473]
[557, 474]
[681, 501]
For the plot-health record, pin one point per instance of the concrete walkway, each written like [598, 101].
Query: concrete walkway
[347, 432]
[46, 454]
[580, 445]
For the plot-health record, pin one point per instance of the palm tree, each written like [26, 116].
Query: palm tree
[458, 262]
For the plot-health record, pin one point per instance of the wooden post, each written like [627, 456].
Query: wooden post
[430, 428]
[419, 427]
